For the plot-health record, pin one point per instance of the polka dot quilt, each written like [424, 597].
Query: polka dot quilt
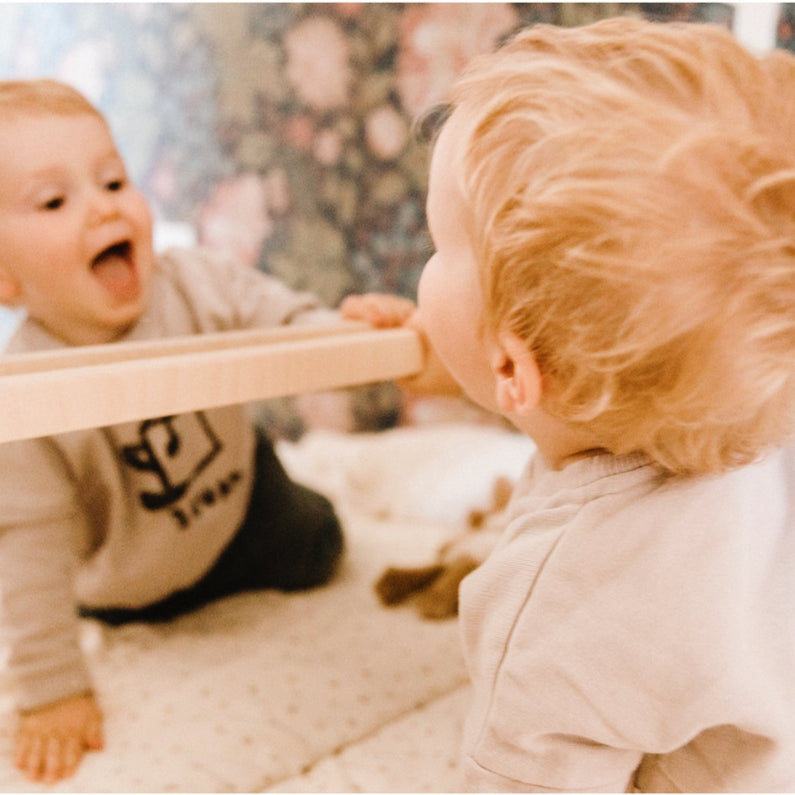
[322, 691]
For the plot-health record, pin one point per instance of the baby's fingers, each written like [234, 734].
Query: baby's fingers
[361, 307]
[29, 755]
[381, 311]
[93, 737]
[63, 757]
[48, 758]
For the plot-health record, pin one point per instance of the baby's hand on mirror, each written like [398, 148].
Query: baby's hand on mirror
[378, 309]
[390, 311]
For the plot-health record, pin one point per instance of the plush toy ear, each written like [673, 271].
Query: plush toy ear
[518, 378]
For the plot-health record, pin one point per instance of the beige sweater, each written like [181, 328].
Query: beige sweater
[633, 632]
[124, 516]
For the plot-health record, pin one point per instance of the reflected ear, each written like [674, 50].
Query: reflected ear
[10, 288]
[518, 379]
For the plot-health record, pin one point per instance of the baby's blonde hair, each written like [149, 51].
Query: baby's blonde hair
[632, 190]
[42, 96]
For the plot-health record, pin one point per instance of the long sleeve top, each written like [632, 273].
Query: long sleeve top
[633, 631]
[123, 516]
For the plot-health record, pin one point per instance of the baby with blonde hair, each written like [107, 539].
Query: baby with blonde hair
[613, 212]
[42, 97]
[141, 521]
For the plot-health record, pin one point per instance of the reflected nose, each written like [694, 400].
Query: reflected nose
[103, 205]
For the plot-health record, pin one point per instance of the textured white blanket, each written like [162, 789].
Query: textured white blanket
[323, 691]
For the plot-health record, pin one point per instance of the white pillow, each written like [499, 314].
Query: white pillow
[437, 473]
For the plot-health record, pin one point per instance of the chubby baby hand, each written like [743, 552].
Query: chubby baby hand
[52, 739]
[378, 309]
[390, 311]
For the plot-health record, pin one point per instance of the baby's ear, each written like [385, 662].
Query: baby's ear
[518, 378]
[10, 288]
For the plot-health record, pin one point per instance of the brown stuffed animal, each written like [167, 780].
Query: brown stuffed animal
[434, 588]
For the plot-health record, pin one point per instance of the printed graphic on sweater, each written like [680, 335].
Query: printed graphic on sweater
[162, 451]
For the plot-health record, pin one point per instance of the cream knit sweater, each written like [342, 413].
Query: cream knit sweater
[124, 516]
[636, 632]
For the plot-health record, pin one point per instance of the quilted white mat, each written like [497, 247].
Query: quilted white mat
[324, 691]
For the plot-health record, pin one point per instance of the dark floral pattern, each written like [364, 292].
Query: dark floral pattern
[785, 35]
[282, 132]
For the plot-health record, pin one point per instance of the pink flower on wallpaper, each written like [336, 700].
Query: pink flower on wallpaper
[318, 62]
[277, 191]
[235, 220]
[300, 132]
[331, 411]
[386, 132]
[350, 10]
[328, 147]
[438, 39]
[163, 181]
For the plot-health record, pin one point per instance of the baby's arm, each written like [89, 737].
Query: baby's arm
[52, 739]
[40, 533]
[389, 311]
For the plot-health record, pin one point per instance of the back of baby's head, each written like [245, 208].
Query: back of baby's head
[632, 187]
[42, 96]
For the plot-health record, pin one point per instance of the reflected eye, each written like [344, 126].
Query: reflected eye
[53, 204]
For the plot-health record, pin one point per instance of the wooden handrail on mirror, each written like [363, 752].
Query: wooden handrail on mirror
[48, 392]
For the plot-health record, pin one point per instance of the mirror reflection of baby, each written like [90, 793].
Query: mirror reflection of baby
[145, 520]
[613, 214]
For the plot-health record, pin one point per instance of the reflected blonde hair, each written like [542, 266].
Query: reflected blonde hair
[632, 190]
[42, 97]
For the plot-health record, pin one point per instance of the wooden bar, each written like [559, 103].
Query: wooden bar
[46, 392]
[62, 358]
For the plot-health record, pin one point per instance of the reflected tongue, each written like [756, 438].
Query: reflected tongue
[115, 274]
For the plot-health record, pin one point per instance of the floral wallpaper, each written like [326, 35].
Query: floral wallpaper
[785, 37]
[282, 132]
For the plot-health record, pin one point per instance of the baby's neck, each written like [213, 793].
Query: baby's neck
[558, 443]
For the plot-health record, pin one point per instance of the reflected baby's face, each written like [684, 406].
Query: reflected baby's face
[75, 234]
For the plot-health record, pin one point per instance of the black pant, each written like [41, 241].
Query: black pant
[290, 540]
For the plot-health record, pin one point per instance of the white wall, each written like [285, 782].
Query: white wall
[755, 25]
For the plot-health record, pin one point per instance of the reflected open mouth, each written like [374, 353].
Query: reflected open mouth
[114, 268]
[118, 251]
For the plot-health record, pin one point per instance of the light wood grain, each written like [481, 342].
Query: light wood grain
[45, 393]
